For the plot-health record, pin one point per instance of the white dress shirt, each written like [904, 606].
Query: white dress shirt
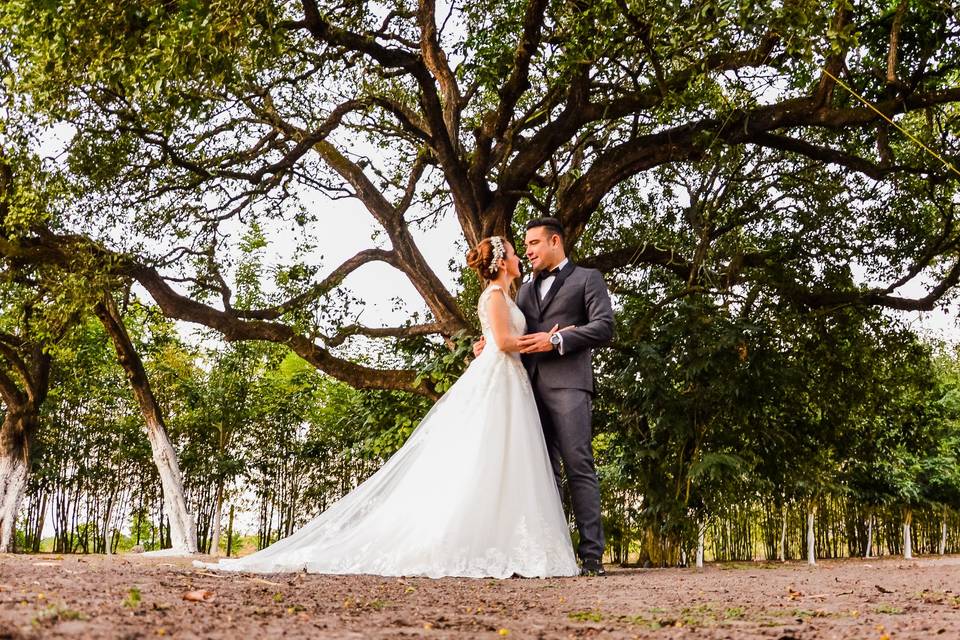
[547, 282]
[545, 285]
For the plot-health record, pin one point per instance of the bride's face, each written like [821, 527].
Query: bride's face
[511, 261]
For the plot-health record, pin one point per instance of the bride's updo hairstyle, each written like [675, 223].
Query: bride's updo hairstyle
[484, 257]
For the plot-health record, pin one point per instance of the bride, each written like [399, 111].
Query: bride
[471, 493]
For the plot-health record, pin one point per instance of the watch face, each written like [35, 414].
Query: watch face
[555, 339]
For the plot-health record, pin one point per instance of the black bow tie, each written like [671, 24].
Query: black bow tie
[546, 274]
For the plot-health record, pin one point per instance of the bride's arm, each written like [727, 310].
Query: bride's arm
[499, 314]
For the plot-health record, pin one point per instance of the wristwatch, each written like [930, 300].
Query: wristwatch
[555, 340]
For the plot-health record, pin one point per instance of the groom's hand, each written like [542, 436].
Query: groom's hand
[478, 346]
[536, 342]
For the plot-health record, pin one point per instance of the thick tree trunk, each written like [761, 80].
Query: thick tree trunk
[181, 530]
[21, 419]
[16, 437]
[907, 542]
[869, 552]
[811, 541]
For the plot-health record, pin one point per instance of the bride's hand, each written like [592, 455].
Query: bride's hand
[478, 346]
[536, 342]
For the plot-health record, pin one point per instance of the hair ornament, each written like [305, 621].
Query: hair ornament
[499, 252]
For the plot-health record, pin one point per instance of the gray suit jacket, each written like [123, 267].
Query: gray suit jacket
[579, 297]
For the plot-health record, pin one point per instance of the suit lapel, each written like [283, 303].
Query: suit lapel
[554, 287]
[535, 292]
[522, 297]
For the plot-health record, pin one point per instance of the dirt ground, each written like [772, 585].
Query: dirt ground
[131, 596]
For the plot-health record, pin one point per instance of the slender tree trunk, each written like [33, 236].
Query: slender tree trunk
[42, 516]
[230, 532]
[943, 532]
[869, 553]
[782, 552]
[701, 537]
[811, 531]
[106, 525]
[218, 510]
[181, 530]
[907, 542]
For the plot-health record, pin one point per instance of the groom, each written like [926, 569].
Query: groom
[561, 294]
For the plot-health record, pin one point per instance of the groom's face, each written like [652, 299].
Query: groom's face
[544, 249]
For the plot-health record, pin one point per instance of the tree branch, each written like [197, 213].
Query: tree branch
[175, 305]
[895, 42]
[518, 80]
[322, 287]
[436, 61]
[348, 331]
[324, 32]
[875, 297]
[61, 250]
[690, 141]
[11, 394]
[826, 155]
[19, 365]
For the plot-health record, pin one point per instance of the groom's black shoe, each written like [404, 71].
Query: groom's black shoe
[592, 567]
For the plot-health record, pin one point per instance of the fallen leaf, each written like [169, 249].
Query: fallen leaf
[262, 581]
[199, 595]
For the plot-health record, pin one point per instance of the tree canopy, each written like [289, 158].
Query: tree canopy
[720, 144]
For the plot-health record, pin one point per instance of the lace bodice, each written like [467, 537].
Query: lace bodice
[518, 323]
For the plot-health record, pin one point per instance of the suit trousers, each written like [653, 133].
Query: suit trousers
[566, 418]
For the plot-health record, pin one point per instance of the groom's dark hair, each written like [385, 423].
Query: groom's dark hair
[552, 224]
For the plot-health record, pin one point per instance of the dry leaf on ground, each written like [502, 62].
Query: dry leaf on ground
[198, 595]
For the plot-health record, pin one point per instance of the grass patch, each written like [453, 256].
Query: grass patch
[585, 616]
[56, 613]
[132, 600]
[938, 597]
[816, 613]
[734, 613]
[886, 608]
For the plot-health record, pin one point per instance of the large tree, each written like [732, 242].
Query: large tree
[188, 118]
[34, 318]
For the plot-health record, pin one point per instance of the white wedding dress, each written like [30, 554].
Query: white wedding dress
[471, 493]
